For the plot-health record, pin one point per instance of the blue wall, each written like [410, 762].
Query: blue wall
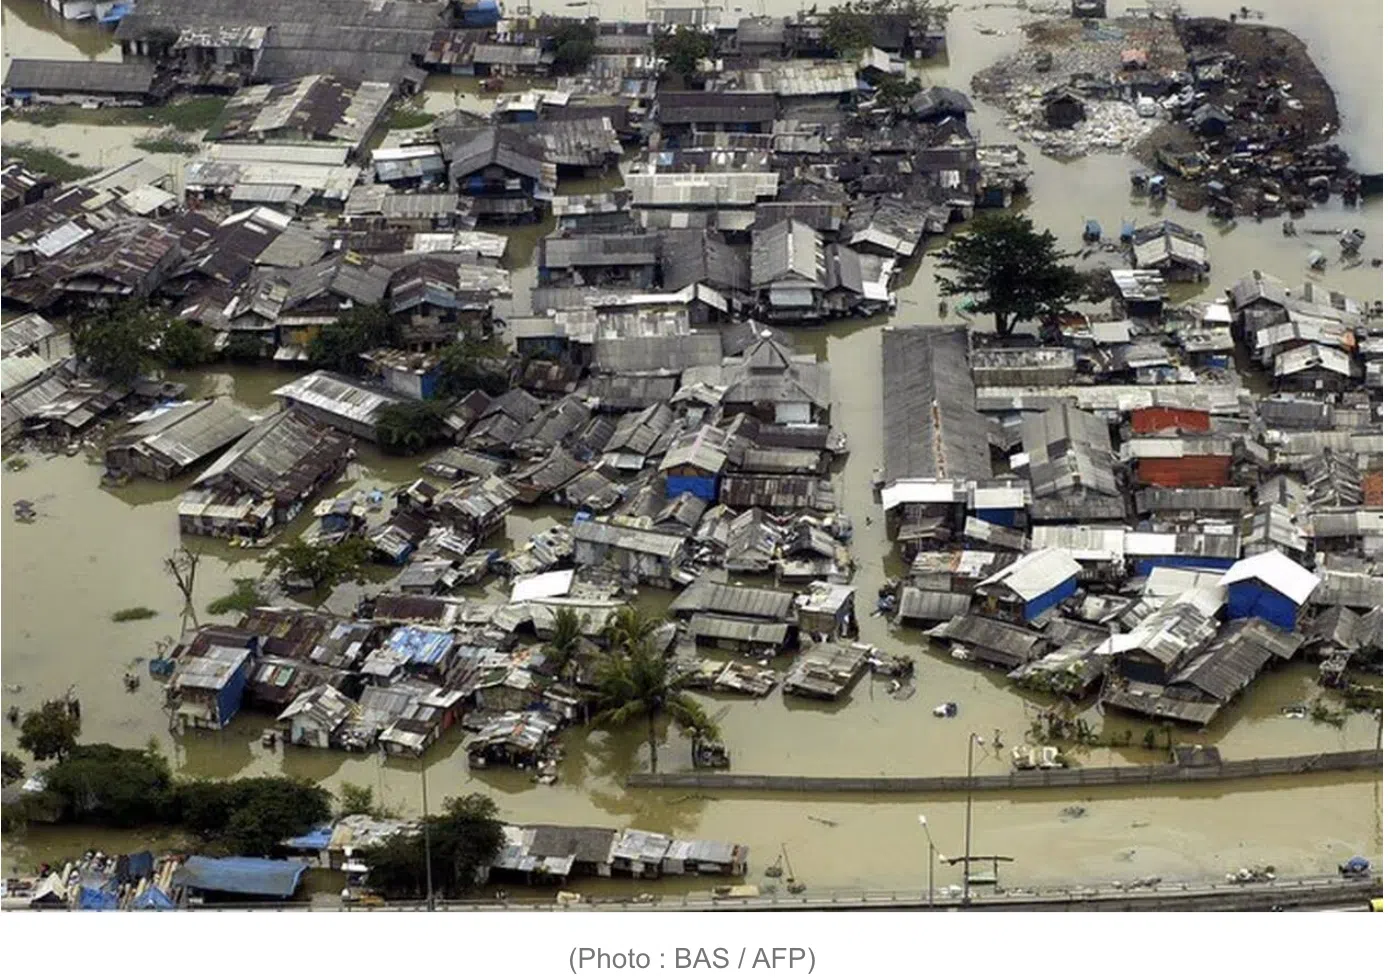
[703, 487]
[1046, 600]
[1000, 517]
[1254, 599]
[229, 697]
[1144, 566]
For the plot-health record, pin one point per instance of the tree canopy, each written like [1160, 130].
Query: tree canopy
[564, 642]
[110, 786]
[11, 768]
[51, 731]
[1016, 269]
[640, 683]
[339, 345]
[185, 345]
[119, 344]
[125, 341]
[250, 816]
[574, 46]
[896, 91]
[683, 49]
[463, 842]
[847, 30]
[464, 367]
[323, 566]
[410, 427]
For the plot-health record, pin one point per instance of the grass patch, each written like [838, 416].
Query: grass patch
[133, 613]
[410, 117]
[45, 161]
[167, 142]
[243, 598]
[189, 115]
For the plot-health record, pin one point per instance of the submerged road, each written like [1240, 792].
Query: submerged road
[1320, 762]
[1292, 894]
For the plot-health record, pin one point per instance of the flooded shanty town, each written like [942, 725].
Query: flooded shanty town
[685, 453]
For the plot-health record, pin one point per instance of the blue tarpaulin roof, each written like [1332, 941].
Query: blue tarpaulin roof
[419, 645]
[96, 899]
[316, 839]
[241, 875]
[153, 898]
[141, 865]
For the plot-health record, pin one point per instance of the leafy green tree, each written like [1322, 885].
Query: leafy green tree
[847, 31]
[463, 367]
[11, 768]
[51, 731]
[119, 344]
[410, 427]
[895, 92]
[110, 786]
[1016, 269]
[244, 597]
[563, 645]
[323, 566]
[463, 842]
[251, 816]
[354, 798]
[245, 346]
[683, 49]
[339, 345]
[185, 345]
[627, 629]
[574, 47]
[642, 683]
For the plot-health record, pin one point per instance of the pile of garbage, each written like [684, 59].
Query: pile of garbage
[1112, 127]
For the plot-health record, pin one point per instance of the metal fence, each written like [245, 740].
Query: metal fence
[1366, 759]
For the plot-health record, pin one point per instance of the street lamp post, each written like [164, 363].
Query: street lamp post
[969, 812]
[930, 872]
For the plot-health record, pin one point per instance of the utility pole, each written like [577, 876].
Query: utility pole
[969, 812]
[424, 789]
[930, 872]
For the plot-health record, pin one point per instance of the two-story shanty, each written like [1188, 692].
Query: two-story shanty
[503, 173]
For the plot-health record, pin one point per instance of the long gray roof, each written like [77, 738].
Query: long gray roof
[281, 457]
[663, 355]
[189, 432]
[97, 77]
[930, 427]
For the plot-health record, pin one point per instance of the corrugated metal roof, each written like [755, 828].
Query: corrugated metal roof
[338, 396]
[1035, 574]
[1277, 571]
[931, 429]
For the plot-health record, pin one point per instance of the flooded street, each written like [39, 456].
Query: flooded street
[94, 551]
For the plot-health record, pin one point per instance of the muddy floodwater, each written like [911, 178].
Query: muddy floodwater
[94, 551]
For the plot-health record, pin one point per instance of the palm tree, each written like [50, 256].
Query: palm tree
[627, 630]
[642, 683]
[563, 644]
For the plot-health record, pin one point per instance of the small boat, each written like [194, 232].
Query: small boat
[1316, 260]
[1129, 229]
[1092, 231]
[1289, 228]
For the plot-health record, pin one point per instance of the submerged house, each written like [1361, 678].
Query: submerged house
[207, 690]
[1036, 582]
[265, 479]
[934, 437]
[1271, 587]
[171, 440]
[503, 173]
[1178, 253]
[648, 556]
[1068, 456]
[333, 400]
[788, 271]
